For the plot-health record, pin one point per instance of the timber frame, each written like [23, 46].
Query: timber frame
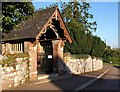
[57, 16]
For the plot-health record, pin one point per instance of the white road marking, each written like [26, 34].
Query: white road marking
[90, 82]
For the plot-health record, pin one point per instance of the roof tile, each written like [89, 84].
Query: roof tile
[31, 27]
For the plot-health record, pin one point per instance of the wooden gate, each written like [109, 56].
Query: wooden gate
[45, 59]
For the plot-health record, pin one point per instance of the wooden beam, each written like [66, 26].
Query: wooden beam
[53, 39]
[56, 15]
[64, 27]
[54, 31]
[35, 42]
[45, 26]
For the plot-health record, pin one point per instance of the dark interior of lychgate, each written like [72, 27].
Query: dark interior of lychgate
[60, 31]
[53, 32]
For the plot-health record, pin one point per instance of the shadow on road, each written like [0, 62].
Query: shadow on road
[117, 67]
[104, 85]
[109, 82]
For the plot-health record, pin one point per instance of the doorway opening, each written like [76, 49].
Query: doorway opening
[45, 58]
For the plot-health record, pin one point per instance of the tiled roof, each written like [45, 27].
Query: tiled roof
[31, 27]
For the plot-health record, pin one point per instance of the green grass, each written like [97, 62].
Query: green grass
[11, 58]
[111, 64]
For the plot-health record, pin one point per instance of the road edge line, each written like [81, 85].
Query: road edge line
[91, 81]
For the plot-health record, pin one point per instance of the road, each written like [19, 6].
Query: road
[108, 82]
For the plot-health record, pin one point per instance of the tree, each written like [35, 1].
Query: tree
[112, 55]
[98, 47]
[1, 28]
[76, 16]
[79, 14]
[13, 13]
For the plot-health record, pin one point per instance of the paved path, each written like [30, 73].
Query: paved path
[74, 82]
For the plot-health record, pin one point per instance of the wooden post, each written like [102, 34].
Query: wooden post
[15, 48]
[21, 49]
[18, 47]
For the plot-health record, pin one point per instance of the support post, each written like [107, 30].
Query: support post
[33, 61]
[57, 55]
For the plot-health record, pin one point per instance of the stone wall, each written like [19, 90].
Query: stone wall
[78, 66]
[13, 76]
[0, 78]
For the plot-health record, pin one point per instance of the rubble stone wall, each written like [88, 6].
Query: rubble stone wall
[78, 66]
[0, 78]
[13, 76]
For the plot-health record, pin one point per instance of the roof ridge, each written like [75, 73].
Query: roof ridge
[47, 8]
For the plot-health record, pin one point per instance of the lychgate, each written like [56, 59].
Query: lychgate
[43, 36]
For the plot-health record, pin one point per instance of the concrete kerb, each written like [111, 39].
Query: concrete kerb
[91, 81]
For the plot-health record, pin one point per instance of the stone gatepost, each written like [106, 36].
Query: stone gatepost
[55, 55]
[0, 78]
[58, 55]
[3, 48]
[33, 61]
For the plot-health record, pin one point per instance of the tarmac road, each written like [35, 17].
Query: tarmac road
[110, 81]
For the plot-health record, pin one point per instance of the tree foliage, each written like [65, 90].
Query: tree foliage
[112, 55]
[77, 18]
[98, 47]
[14, 12]
[78, 13]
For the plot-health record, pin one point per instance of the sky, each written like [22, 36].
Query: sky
[106, 16]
